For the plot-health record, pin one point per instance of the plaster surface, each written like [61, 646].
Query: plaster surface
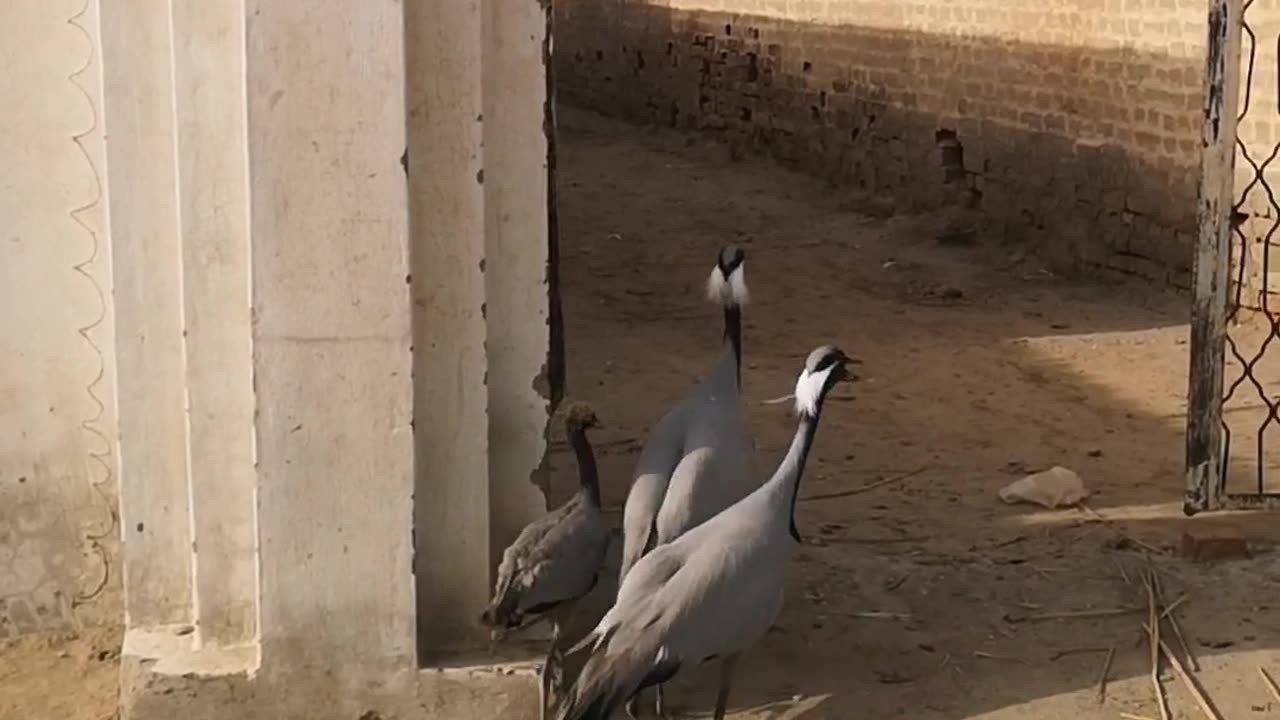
[58, 549]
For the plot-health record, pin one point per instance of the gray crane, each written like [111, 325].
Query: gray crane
[712, 592]
[556, 559]
[699, 458]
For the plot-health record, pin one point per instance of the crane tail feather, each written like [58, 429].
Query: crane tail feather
[608, 680]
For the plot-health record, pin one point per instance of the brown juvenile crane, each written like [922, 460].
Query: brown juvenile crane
[556, 559]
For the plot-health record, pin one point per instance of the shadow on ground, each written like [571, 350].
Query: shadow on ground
[918, 597]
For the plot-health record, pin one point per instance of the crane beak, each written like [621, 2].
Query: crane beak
[848, 373]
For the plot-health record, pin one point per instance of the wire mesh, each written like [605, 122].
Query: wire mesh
[1251, 412]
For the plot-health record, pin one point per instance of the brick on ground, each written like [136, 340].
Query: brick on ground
[1205, 544]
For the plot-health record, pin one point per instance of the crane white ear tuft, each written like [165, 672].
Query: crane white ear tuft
[809, 388]
[731, 291]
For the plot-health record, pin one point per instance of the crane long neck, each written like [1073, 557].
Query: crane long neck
[733, 334]
[791, 468]
[588, 478]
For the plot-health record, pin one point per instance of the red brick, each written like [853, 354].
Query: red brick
[1214, 543]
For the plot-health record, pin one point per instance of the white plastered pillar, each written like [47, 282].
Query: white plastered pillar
[260, 221]
[331, 376]
[478, 188]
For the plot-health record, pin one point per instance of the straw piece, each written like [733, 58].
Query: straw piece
[1271, 684]
[1102, 678]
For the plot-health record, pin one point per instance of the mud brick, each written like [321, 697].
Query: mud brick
[1214, 543]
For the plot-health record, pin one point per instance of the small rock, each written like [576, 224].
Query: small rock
[1055, 487]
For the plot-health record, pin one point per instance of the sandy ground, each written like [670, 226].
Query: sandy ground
[911, 599]
[916, 592]
[60, 677]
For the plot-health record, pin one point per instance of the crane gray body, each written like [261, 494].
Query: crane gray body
[556, 560]
[713, 591]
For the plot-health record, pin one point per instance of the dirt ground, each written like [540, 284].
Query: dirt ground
[915, 598]
[60, 677]
[917, 592]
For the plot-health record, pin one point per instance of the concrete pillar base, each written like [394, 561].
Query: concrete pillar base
[163, 678]
[171, 682]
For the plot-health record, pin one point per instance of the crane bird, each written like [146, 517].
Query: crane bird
[556, 559]
[712, 592]
[699, 458]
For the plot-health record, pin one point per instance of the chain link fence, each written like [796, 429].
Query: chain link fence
[1233, 429]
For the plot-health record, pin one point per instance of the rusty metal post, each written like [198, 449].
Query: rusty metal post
[1204, 480]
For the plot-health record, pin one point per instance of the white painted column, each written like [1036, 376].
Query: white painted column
[478, 187]
[209, 106]
[150, 355]
[331, 336]
[274, 277]
[175, 112]
[262, 271]
[451, 418]
[517, 244]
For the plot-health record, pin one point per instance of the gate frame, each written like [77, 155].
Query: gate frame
[1206, 460]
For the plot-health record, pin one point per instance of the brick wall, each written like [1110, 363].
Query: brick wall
[1073, 125]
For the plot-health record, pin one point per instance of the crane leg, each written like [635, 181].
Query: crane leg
[544, 688]
[659, 703]
[726, 680]
[633, 707]
[550, 676]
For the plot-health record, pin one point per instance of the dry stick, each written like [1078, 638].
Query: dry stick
[1271, 684]
[1102, 679]
[1174, 605]
[778, 400]
[1153, 634]
[1123, 574]
[1044, 572]
[991, 656]
[1075, 651]
[881, 540]
[897, 583]
[1145, 546]
[1076, 614]
[1173, 620]
[1190, 682]
[871, 615]
[867, 487]
[1131, 716]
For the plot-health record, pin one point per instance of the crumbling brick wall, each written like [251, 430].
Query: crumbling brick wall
[1071, 124]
